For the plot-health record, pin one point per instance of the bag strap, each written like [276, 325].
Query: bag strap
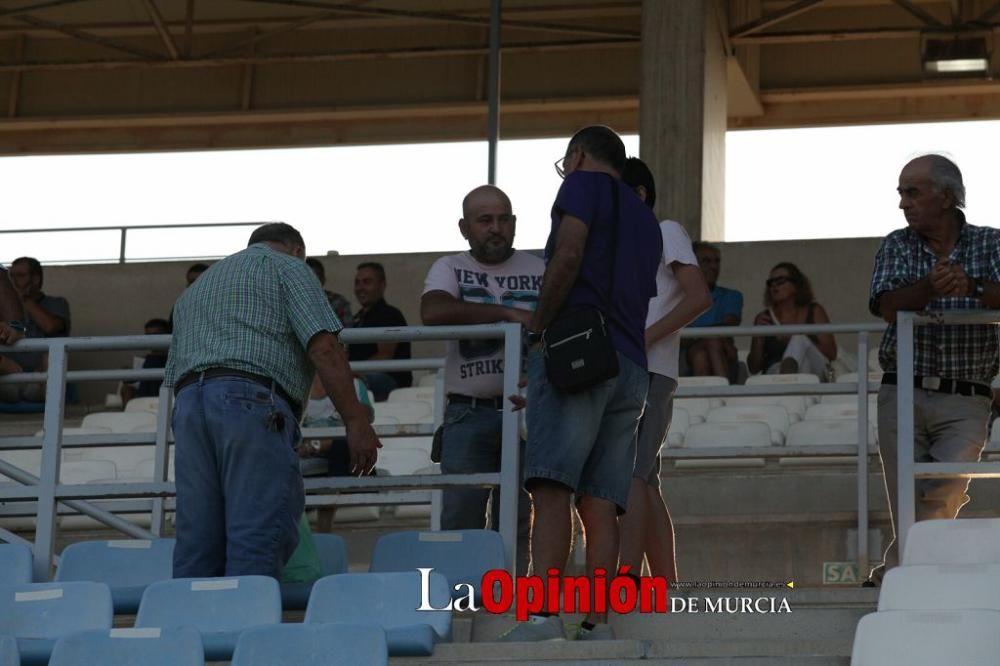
[615, 215]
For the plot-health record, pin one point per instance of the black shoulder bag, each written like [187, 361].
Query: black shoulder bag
[579, 353]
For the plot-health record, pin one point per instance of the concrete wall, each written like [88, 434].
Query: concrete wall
[117, 299]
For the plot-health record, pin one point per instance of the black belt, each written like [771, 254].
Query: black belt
[943, 385]
[492, 403]
[213, 373]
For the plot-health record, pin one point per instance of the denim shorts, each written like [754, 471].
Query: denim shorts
[586, 440]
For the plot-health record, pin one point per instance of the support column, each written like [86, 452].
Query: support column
[682, 111]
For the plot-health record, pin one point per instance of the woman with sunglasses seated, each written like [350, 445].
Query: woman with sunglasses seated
[789, 300]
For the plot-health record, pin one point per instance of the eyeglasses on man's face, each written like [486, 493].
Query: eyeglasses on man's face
[559, 165]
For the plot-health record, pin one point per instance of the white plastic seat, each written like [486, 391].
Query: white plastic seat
[994, 443]
[120, 422]
[941, 587]
[934, 542]
[401, 461]
[703, 381]
[874, 377]
[927, 638]
[697, 408]
[427, 380]
[150, 404]
[832, 411]
[412, 393]
[774, 417]
[680, 421]
[799, 378]
[728, 434]
[826, 433]
[410, 411]
[795, 405]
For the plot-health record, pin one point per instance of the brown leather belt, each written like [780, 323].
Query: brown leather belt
[215, 373]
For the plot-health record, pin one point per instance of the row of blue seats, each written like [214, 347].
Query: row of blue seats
[222, 609]
[275, 645]
[129, 566]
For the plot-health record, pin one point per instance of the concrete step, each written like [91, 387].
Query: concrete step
[815, 626]
[674, 653]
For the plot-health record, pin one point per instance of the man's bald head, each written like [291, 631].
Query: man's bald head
[488, 224]
[487, 193]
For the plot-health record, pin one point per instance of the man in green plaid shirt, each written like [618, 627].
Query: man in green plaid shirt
[248, 336]
[939, 262]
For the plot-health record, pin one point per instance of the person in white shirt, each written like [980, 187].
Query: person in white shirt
[681, 295]
[492, 282]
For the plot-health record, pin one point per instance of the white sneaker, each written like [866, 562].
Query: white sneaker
[537, 628]
[600, 632]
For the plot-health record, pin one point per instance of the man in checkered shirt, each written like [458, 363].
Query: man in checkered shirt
[248, 336]
[939, 262]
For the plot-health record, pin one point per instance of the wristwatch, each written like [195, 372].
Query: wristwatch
[977, 288]
[532, 337]
[18, 325]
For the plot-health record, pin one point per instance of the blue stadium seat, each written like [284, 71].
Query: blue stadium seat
[462, 556]
[36, 615]
[180, 646]
[220, 608]
[312, 645]
[9, 656]
[127, 566]
[332, 552]
[389, 600]
[15, 564]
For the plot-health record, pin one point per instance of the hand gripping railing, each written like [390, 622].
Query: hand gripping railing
[910, 470]
[48, 492]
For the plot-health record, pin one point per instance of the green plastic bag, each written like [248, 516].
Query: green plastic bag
[303, 566]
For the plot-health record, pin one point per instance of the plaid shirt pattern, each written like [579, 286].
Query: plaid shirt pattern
[954, 352]
[254, 311]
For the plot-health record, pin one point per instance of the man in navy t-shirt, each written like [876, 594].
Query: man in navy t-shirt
[584, 443]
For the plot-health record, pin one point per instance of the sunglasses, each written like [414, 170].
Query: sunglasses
[777, 281]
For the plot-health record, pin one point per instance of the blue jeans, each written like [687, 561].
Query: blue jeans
[471, 444]
[585, 440]
[239, 490]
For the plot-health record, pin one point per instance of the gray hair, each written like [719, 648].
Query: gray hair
[945, 175]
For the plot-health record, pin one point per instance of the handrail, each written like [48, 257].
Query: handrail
[49, 492]
[909, 470]
[125, 228]
[510, 463]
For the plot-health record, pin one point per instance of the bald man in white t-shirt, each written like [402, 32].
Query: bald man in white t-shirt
[681, 295]
[492, 282]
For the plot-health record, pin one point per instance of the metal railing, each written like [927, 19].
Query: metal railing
[909, 469]
[861, 388]
[123, 233]
[86, 498]
[47, 491]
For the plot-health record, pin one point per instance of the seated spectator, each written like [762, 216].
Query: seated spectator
[369, 289]
[45, 317]
[341, 306]
[714, 356]
[789, 300]
[157, 358]
[320, 413]
[194, 271]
